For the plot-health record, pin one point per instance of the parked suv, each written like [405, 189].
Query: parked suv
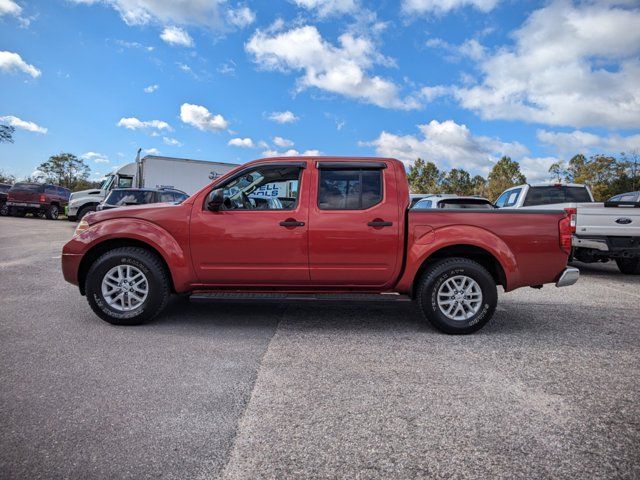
[121, 197]
[39, 199]
[4, 188]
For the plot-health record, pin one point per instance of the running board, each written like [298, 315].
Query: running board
[296, 297]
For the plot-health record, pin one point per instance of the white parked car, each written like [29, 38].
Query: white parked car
[602, 231]
[453, 202]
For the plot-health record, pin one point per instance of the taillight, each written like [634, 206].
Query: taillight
[572, 212]
[43, 199]
[566, 232]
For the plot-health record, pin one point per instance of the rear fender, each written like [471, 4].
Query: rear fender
[424, 242]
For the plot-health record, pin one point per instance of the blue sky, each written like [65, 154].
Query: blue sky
[458, 82]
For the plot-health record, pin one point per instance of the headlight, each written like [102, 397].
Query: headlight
[82, 226]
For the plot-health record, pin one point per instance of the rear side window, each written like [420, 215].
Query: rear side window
[509, 198]
[129, 197]
[349, 189]
[551, 194]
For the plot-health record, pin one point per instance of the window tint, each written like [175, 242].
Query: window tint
[625, 197]
[349, 189]
[4, 188]
[180, 197]
[551, 194]
[50, 190]
[27, 187]
[262, 189]
[165, 197]
[130, 197]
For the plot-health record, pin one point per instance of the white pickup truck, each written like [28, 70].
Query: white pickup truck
[603, 231]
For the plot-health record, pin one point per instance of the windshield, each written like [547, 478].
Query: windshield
[129, 197]
[107, 182]
[27, 187]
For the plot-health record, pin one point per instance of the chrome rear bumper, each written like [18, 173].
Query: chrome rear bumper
[568, 277]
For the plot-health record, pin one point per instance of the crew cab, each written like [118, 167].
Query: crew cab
[39, 199]
[349, 235]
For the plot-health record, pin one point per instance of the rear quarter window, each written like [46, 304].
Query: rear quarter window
[509, 198]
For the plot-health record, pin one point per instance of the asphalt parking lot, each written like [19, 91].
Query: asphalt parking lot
[549, 389]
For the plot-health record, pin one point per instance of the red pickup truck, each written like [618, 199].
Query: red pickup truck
[344, 233]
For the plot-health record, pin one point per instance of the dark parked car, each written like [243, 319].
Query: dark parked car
[121, 197]
[39, 199]
[4, 188]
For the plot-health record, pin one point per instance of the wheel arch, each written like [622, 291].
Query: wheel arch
[99, 249]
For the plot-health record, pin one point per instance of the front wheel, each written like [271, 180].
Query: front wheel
[629, 266]
[127, 286]
[457, 295]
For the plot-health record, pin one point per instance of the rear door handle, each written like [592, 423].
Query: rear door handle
[291, 222]
[379, 223]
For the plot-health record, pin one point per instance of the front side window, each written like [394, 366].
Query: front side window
[264, 188]
[125, 182]
[349, 189]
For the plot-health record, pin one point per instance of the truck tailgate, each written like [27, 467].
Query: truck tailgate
[594, 219]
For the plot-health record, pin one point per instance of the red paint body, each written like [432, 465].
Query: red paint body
[335, 250]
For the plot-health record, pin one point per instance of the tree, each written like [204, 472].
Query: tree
[458, 181]
[605, 175]
[479, 186]
[577, 169]
[504, 174]
[65, 169]
[557, 171]
[6, 178]
[424, 177]
[6, 133]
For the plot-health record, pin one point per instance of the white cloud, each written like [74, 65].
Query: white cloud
[326, 8]
[536, 169]
[568, 144]
[150, 88]
[132, 123]
[448, 144]
[283, 117]
[95, 157]
[282, 142]
[440, 7]
[201, 118]
[9, 7]
[336, 69]
[176, 36]
[183, 12]
[241, 142]
[291, 153]
[571, 64]
[241, 17]
[11, 62]
[22, 124]
[171, 141]
[152, 151]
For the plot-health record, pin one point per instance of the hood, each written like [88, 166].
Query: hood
[145, 212]
[84, 193]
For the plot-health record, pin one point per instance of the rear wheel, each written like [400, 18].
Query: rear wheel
[4, 210]
[127, 286]
[629, 266]
[457, 295]
[52, 212]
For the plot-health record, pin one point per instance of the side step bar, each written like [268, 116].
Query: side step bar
[295, 297]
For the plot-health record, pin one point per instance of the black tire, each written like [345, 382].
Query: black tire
[442, 271]
[157, 279]
[84, 211]
[53, 212]
[629, 266]
[4, 210]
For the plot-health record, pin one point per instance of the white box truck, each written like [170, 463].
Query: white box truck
[150, 171]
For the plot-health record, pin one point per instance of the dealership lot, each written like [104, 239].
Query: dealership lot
[550, 388]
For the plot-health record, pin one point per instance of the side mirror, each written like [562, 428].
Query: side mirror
[215, 199]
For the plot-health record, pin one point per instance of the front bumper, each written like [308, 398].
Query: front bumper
[71, 210]
[568, 277]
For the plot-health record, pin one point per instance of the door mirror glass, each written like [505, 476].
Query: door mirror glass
[215, 199]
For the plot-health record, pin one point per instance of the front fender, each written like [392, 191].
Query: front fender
[143, 231]
[425, 241]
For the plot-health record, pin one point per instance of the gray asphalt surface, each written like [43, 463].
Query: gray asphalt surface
[549, 389]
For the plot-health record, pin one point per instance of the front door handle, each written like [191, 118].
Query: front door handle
[291, 222]
[379, 223]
